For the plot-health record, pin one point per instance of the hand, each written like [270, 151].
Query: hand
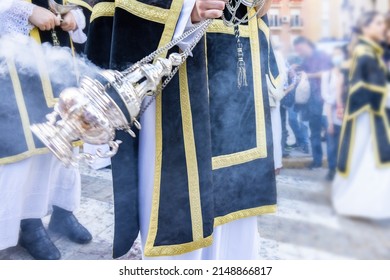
[331, 129]
[69, 22]
[340, 112]
[207, 9]
[43, 19]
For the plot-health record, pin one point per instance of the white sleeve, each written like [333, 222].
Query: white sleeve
[184, 23]
[14, 15]
[78, 35]
[276, 92]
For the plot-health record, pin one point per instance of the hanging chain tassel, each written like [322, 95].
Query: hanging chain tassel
[241, 68]
[54, 37]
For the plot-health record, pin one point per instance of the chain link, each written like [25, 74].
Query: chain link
[232, 7]
[201, 27]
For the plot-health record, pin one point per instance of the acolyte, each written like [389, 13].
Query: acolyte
[88, 113]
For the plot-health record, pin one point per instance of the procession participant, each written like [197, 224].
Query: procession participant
[204, 156]
[332, 86]
[362, 184]
[32, 181]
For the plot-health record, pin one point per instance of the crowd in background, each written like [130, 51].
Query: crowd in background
[316, 88]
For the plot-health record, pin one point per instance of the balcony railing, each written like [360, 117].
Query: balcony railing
[296, 22]
[278, 22]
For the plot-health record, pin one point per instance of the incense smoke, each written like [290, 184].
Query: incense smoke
[58, 62]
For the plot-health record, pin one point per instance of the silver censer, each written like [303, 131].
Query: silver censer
[89, 113]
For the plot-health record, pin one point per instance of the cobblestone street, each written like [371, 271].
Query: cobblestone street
[305, 226]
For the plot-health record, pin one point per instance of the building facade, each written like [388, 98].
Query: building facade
[319, 20]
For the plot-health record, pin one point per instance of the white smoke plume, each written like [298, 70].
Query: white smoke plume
[59, 62]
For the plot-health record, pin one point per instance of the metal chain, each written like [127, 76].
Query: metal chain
[202, 30]
[232, 7]
[199, 26]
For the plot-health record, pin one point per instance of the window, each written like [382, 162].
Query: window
[273, 17]
[295, 19]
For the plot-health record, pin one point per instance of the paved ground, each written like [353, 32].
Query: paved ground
[305, 226]
[96, 213]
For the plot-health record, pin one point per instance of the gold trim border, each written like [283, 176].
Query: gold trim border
[217, 26]
[257, 211]
[191, 159]
[139, 9]
[81, 4]
[260, 151]
[145, 11]
[24, 155]
[102, 9]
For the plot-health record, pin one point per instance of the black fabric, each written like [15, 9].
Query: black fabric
[174, 193]
[34, 99]
[199, 98]
[11, 123]
[98, 45]
[157, 3]
[223, 121]
[132, 33]
[125, 183]
[231, 132]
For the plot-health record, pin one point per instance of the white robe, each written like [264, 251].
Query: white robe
[365, 192]
[29, 188]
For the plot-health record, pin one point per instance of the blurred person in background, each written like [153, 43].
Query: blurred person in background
[362, 184]
[314, 64]
[292, 115]
[386, 42]
[332, 86]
